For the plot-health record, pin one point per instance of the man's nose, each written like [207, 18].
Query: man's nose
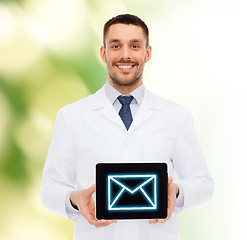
[125, 53]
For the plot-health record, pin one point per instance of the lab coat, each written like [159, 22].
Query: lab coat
[90, 131]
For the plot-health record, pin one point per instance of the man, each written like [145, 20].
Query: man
[123, 122]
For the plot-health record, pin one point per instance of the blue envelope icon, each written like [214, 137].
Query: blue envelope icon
[132, 192]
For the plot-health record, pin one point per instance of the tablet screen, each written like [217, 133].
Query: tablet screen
[131, 190]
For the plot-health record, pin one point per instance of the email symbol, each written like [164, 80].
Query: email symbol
[132, 192]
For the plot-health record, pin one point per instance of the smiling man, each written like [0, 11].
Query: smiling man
[123, 122]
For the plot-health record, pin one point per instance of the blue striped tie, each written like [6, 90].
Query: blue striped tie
[125, 112]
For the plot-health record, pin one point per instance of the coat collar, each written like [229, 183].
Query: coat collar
[145, 112]
[112, 93]
[100, 100]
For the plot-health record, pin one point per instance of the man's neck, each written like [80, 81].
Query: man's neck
[125, 89]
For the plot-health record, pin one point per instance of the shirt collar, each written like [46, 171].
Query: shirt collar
[112, 93]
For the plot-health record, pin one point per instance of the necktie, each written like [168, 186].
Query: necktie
[125, 112]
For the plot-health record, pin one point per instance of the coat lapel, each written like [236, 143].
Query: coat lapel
[144, 113]
[110, 113]
[103, 105]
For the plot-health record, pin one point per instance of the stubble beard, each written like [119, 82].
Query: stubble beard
[123, 82]
[129, 82]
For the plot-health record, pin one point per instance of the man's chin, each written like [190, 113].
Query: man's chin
[126, 82]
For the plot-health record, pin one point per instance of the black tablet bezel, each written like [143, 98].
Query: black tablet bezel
[105, 169]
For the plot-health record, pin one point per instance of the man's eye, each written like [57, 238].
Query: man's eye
[135, 46]
[115, 46]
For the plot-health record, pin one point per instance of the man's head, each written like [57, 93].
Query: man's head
[125, 51]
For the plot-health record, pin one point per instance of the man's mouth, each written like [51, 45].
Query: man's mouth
[125, 67]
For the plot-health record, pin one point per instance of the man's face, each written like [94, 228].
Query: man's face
[125, 53]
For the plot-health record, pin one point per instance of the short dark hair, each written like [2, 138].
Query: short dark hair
[126, 19]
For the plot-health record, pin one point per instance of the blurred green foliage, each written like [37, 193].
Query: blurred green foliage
[37, 78]
[13, 162]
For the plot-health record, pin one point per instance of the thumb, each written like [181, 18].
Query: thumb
[170, 180]
[91, 190]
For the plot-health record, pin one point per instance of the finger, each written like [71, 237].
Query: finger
[157, 220]
[89, 217]
[113, 221]
[107, 221]
[153, 220]
[103, 223]
[89, 191]
[93, 187]
[161, 220]
[170, 180]
[100, 222]
[97, 223]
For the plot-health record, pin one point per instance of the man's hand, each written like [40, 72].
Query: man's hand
[173, 191]
[86, 205]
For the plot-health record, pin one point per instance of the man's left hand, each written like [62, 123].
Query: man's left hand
[173, 191]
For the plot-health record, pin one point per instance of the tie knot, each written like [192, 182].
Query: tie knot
[125, 100]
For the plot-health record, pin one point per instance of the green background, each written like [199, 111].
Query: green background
[49, 57]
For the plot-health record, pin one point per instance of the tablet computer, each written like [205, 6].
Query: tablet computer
[131, 191]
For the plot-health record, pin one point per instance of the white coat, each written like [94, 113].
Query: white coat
[90, 131]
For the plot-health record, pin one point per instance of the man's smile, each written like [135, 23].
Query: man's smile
[125, 67]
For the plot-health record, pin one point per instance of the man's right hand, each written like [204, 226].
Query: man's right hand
[86, 205]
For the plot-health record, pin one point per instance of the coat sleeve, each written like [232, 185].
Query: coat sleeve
[59, 170]
[195, 180]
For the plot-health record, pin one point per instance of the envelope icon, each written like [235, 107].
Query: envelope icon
[132, 192]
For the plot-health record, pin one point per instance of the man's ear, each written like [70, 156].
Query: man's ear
[103, 54]
[148, 53]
